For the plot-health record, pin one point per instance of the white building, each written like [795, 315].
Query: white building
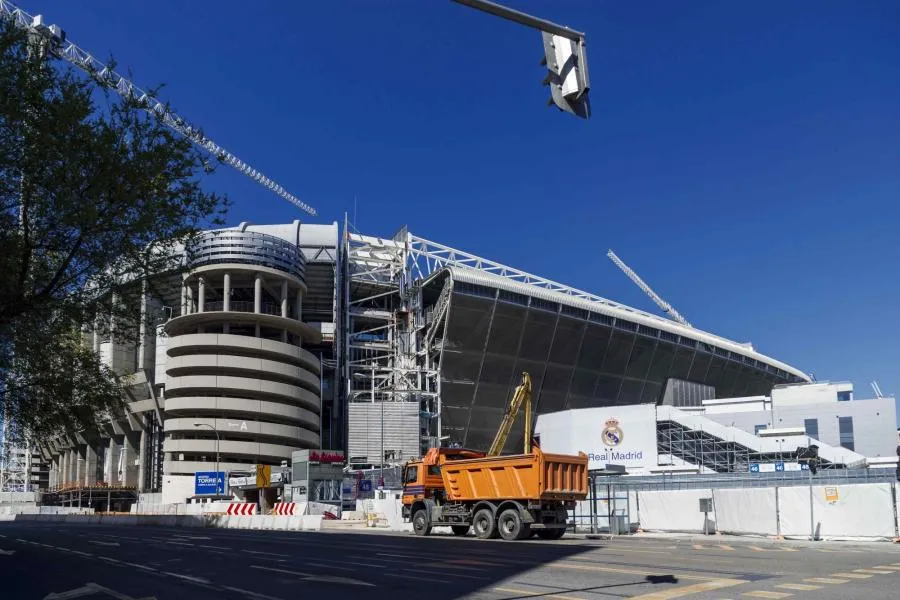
[757, 433]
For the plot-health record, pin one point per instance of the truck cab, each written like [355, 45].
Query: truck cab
[422, 476]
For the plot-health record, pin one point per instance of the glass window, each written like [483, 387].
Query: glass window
[700, 367]
[596, 338]
[583, 383]
[566, 341]
[844, 396]
[434, 470]
[662, 362]
[497, 369]
[641, 356]
[538, 335]
[651, 392]
[681, 368]
[630, 392]
[557, 380]
[812, 427]
[618, 353]
[506, 329]
[607, 390]
[845, 429]
[758, 428]
[410, 476]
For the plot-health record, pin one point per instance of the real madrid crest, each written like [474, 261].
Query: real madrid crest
[612, 434]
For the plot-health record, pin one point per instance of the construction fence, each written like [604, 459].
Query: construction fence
[834, 506]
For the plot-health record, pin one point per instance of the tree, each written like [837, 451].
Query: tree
[95, 195]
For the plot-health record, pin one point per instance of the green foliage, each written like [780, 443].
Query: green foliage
[95, 193]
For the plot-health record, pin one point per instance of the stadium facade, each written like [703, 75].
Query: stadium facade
[283, 337]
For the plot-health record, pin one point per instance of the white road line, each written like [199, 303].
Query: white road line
[187, 577]
[3, 536]
[266, 553]
[325, 566]
[112, 560]
[139, 566]
[317, 578]
[78, 552]
[99, 543]
[413, 577]
[249, 594]
[179, 543]
[214, 547]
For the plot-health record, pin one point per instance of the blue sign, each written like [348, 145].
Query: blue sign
[779, 466]
[365, 485]
[754, 467]
[804, 467]
[205, 483]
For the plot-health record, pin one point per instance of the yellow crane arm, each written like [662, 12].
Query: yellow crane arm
[522, 395]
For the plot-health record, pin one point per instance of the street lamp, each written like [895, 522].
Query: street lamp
[215, 431]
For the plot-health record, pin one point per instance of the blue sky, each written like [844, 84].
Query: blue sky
[742, 156]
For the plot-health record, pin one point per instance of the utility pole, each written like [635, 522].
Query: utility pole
[564, 55]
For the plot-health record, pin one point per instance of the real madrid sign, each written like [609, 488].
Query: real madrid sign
[612, 433]
[613, 437]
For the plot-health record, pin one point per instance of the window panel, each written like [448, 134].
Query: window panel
[469, 323]
[566, 341]
[583, 383]
[607, 390]
[641, 357]
[729, 380]
[550, 402]
[538, 335]
[681, 366]
[812, 427]
[580, 402]
[630, 393]
[493, 396]
[497, 370]
[662, 362]
[460, 366]
[556, 380]
[596, 339]
[700, 367]
[714, 374]
[506, 329]
[618, 353]
[651, 393]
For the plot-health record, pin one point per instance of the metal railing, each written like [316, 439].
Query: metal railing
[267, 308]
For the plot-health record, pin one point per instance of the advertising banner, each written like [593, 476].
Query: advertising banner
[623, 435]
[205, 483]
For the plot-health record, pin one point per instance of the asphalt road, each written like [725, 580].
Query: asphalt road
[61, 561]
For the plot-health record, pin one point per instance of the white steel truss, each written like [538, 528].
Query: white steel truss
[102, 73]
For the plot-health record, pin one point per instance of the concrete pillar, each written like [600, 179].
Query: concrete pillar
[111, 467]
[142, 340]
[257, 293]
[62, 473]
[284, 298]
[226, 292]
[144, 463]
[299, 305]
[91, 459]
[96, 340]
[131, 474]
[184, 298]
[201, 294]
[79, 467]
[190, 299]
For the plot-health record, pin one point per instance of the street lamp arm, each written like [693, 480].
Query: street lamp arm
[510, 14]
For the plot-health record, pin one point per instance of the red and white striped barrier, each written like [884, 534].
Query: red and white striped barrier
[284, 508]
[241, 508]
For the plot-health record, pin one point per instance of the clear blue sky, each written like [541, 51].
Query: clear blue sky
[743, 157]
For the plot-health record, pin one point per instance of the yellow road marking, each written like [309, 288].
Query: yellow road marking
[764, 594]
[798, 586]
[541, 594]
[757, 548]
[825, 580]
[788, 549]
[872, 571]
[565, 565]
[687, 590]
[686, 557]
[852, 575]
[724, 547]
[699, 547]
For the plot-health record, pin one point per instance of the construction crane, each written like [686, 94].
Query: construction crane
[665, 306]
[522, 395]
[59, 46]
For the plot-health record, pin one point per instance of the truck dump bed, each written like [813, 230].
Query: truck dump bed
[535, 476]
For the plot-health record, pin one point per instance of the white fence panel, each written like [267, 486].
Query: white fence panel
[746, 511]
[674, 510]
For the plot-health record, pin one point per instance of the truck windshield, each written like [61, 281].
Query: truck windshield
[410, 475]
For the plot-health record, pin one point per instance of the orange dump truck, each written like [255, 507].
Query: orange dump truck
[513, 497]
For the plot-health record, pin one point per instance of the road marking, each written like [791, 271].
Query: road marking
[541, 594]
[186, 577]
[2, 536]
[724, 547]
[103, 543]
[335, 567]
[78, 552]
[414, 578]
[798, 586]
[312, 577]
[266, 553]
[825, 580]
[873, 571]
[787, 549]
[687, 590]
[250, 594]
[139, 566]
[699, 547]
[765, 594]
[563, 565]
[852, 575]
[178, 543]
[757, 549]
[91, 589]
[214, 547]
[7, 552]
[113, 560]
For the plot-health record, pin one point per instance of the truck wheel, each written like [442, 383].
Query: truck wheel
[421, 525]
[484, 525]
[510, 524]
[460, 530]
[551, 534]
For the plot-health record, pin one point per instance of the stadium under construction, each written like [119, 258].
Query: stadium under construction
[282, 337]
